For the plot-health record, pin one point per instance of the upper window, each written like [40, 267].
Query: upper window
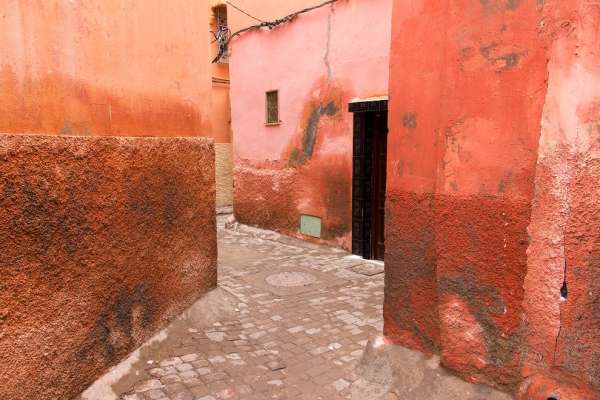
[221, 33]
[272, 107]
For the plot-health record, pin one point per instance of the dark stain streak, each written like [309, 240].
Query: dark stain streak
[409, 120]
[504, 182]
[513, 4]
[493, 6]
[46, 221]
[113, 334]
[501, 62]
[415, 255]
[337, 195]
[388, 215]
[511, 60]
[486, 50]
[483, 301]
[157, 197]
[474, 241]
[309, 139]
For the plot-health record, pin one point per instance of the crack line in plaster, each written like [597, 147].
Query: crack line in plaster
[564, 287]
[328, 45]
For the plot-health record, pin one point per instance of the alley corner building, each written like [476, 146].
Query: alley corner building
[324, 79]
[484, 194]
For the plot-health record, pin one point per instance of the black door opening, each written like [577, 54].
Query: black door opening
[369, 178]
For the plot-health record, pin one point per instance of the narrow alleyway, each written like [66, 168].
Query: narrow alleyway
[303, 315]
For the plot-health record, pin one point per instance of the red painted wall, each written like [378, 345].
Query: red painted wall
[319, 62]
[108, 67]
[491, 170]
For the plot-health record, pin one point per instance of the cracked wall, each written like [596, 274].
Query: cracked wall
[492, 181]
[319, 62]
[104, 241]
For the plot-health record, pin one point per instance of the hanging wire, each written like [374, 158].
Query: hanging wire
[244, 12]
[264, 24]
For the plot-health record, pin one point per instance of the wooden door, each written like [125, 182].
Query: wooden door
[361, 184]
[379, 154]
[369, 178]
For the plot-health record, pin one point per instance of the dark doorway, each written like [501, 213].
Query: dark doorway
[369, 178]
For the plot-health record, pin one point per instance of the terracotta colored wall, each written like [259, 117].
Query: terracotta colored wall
[105, 67]
[318, 62]
[490, 146]
[103, 241]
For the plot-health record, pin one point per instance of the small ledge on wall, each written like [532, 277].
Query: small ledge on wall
[273, 123]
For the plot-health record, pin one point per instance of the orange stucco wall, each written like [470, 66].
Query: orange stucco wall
[105, 67]
[492, 236]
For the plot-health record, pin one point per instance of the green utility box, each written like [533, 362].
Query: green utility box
[310, 226]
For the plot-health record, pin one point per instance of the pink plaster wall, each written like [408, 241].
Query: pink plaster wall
[328, 56]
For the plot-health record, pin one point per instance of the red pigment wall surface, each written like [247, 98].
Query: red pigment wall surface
[105, 67]
[565, 231]
[491, 190]
[102, 242]
[318, 62]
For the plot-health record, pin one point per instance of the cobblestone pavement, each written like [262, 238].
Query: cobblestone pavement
[303, 317]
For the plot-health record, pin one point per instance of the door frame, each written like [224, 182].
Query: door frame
[362, 218]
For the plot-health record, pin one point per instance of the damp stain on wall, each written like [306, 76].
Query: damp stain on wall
[301, 154]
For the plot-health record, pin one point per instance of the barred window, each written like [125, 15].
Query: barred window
[273, 107]
[221, 34]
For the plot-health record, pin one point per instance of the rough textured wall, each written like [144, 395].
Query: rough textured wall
[562, 286]
[491, 171]
[103, 241]
[224, 174]
[111, 67]
[304, 164]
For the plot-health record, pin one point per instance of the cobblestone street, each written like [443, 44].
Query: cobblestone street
[302, 318]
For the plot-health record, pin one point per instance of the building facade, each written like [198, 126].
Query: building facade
[114, 68]
[490, 218]
[293, 131]
[106, 239]
[493, 230]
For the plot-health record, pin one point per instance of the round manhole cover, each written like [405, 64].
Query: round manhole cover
[291, 279]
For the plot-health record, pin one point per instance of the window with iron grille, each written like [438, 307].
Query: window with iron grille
[273, 107]
[221, 33]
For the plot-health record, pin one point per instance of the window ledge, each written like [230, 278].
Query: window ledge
[272, 123]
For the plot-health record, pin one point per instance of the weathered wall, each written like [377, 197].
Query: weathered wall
[491, 166]
[565, 230]
[112, 68]
[224, 174]
[102, 242]
[304, 164]
[105, 68]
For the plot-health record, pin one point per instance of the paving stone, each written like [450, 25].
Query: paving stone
[144, 386]
[302, 345]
